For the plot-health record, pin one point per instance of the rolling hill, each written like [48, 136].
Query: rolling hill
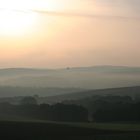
[97, 77]
[9, 91]
[125, 91]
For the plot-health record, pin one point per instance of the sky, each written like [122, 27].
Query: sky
[71, 33]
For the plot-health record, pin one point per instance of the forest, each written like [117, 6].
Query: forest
[93, 109]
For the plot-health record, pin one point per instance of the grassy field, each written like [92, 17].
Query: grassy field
[111, 126]
[40, 130]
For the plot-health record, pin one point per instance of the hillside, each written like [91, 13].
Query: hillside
[97, 77]
[9, 91]
[125, 91]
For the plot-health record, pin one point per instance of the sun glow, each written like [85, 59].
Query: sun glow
[16, 22]
[17, 17]
[20, 16]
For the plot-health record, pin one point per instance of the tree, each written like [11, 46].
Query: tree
[28, 101]
[69, 113]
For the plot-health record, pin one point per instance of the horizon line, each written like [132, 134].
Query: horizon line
[69, 67]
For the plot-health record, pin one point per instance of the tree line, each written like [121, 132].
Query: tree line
[95, 109]
[110, 108]
[29, 109]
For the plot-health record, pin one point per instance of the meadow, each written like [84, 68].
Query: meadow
[42, 130]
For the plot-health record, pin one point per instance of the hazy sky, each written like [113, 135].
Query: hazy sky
[106, 32]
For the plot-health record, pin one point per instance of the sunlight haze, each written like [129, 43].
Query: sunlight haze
[67, 33]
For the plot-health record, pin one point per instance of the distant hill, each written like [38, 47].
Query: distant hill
[6, 91]
[55, 95]
[134, 92]
[97, 77]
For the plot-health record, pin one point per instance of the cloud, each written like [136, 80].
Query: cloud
[121, 7]
[87, 15]
[111, 9]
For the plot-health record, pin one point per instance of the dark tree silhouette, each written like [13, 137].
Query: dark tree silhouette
[73, 113]
[28, 101]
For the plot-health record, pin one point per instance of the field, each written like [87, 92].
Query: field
[39, 130]
[112, 126]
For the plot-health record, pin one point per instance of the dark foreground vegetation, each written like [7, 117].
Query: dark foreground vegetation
[110, 108]
[35, 130]
[98, 117]
[29, 110]
[65, 121]
[96, 108]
